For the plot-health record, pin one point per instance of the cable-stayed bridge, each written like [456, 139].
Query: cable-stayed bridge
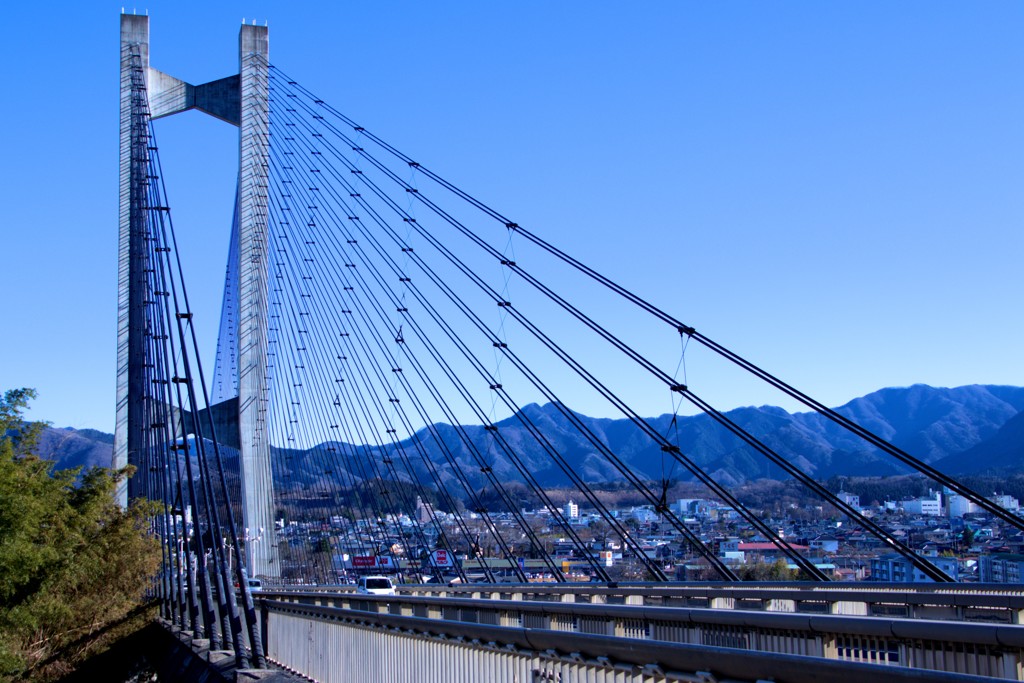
[383, 333]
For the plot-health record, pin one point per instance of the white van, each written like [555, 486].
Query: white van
[375, 585]
[255, 586]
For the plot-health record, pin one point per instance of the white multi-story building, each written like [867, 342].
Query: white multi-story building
[1006, 502]
[958, 506]
[643, 514]
[851, 499]
[926, 505]
[571, 510]
[687, 506]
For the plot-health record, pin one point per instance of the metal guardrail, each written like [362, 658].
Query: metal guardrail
[981, 602]
[669, 644]
[986, 603]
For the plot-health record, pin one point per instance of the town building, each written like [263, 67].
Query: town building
[894, 568]
[1000, 568]
[851, 499]
[824, 544]
[926, 505]
[424, 511]
[1006, 502]
[958, 506]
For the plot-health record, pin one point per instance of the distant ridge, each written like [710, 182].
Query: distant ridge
[76, 447]
[1002, 454]
[962, 430]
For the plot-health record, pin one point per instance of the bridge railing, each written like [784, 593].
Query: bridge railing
[978, 603]
[993, 650]
[984, 603]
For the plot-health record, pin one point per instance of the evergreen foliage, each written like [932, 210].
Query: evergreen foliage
[73, 563]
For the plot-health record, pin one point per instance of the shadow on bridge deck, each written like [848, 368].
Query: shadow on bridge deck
[159, 650]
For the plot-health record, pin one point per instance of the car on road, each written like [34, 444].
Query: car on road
[375, 585]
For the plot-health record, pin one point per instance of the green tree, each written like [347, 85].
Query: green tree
[72, 562]
[763, 571]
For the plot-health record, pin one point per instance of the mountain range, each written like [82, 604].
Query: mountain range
[964, 430]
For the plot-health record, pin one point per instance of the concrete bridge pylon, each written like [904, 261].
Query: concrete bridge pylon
[241, 100]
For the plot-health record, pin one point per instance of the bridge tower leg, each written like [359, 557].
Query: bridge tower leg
[254, 438]
[242, 100]
[131, 281]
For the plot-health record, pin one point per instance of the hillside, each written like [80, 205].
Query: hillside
[962, 430]
[76, 447]
[1001, 454]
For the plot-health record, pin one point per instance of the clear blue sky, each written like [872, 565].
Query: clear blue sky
[835, 190]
